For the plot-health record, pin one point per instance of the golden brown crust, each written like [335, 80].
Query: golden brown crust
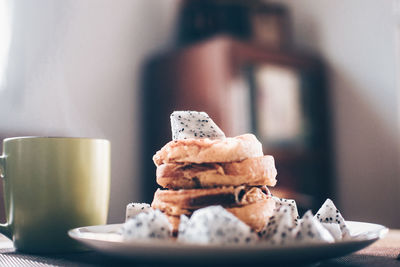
[185, 201]
[256, 215]
[252, 172]
[174, 221]
[209, 151]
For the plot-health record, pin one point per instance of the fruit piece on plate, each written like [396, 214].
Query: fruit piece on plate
[289, 203]
[133, 209]
[144, 226]
[334, 229]
[194, 124]
[310, 230]
[280, 229]
[328, 213]
[215, 225]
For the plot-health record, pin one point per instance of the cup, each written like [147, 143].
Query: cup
[52, 185]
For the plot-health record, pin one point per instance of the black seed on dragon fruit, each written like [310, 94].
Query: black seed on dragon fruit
[196, 125]
[280, 228]
[215, 225]
[328, 213]
[133, 209]
[151, 225]
[311, 230]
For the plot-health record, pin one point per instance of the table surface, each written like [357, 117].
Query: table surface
[384, 252]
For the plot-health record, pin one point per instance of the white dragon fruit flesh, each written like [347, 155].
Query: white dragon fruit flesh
[194, 124]
[310, 230]
[334, 229]
[280, 229]
[289, 203]
[215, 225]
[328, 213]
[144, 226]
[133, 209]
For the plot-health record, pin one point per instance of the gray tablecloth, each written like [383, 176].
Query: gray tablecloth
[383, 253]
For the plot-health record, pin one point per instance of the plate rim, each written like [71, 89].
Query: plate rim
[76, 234]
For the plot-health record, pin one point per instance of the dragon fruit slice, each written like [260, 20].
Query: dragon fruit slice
[289, 203]
[183, 224]
[334, 229]
[144, 226]
[133, 209]
[328, 213]
[194, 124]
[215, 225]
[280, 229]
[311, 230]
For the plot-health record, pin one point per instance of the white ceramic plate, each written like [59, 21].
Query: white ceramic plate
[105, 239]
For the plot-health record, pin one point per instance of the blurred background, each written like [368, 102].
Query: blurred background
[317, 81]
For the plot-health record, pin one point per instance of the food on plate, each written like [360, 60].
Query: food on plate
[177, 202]
[280, 229]
[198, 169]
[253, 207]
[147, 225]
[214, 191]
[215, 225]
[287, 203]
[133, 209]
[205, 150]
[334, 229]
[310, 230]
[194, 124]
[255, 171]
[328, 213]
[255, 215]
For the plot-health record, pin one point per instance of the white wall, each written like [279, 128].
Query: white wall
[73, 69]
[357, 39]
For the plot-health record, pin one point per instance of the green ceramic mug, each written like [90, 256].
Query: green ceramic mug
[52, 185]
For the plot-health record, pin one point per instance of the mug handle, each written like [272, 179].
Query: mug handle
[5, 228]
